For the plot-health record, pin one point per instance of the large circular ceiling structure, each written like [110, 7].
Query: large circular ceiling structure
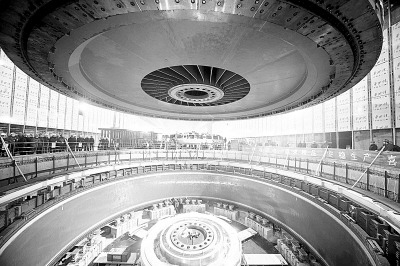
[194, 59]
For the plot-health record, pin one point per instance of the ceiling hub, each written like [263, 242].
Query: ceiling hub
[195, 85]
[196, 93]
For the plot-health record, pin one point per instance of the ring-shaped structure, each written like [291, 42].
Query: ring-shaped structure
[292, 53]
[171, 241]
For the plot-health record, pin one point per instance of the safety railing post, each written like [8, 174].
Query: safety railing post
[320, 172]
[367, 188]
[54, 164]
[334, 170]
[295, 164]
[347, 173]
[85, 160]
[398, 189]
[115, 157]
[307, 165]
[14, 164]
[276, 161]
[36, 166]
[97, 155]
[386, 184]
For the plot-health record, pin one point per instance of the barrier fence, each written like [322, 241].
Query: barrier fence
[41, 147]
[378, 179]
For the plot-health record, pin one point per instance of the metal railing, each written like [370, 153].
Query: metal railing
[42, 147]
[380, 181]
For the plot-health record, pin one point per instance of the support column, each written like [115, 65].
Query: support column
[336, 124]
[12, 98]
[391, 77]
[371, 135]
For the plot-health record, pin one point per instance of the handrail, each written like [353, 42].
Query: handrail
[370, 203]
[384, 182]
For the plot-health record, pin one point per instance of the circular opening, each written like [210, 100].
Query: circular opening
[196, 94]
[207, 94]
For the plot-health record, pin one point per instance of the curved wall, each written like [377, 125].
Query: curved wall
[49, 234]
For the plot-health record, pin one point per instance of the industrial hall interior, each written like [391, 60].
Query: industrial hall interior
[199, 132]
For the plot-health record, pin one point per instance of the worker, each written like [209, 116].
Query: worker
[373, 146]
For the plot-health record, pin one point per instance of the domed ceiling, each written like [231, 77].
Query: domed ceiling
[194, 59]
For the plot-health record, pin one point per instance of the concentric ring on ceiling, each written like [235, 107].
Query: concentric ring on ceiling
[195, 85]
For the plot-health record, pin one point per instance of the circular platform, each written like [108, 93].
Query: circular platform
[291, 53]
[191, 239]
